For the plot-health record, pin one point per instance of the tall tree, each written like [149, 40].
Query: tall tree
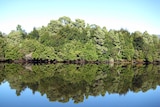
[34, 34]
[21, 31]
[1, 35]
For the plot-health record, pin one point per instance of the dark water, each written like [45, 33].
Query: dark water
[63, 85]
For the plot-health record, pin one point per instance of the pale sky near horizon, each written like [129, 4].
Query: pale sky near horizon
[133, 15]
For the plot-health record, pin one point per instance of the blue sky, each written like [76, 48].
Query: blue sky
[142, 15]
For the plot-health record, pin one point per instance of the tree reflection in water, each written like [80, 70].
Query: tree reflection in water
[62, 82]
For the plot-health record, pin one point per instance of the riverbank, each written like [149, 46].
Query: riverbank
[78, 61]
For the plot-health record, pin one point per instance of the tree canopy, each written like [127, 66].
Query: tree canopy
[64, 39]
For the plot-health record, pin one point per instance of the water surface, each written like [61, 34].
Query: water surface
[62, 85]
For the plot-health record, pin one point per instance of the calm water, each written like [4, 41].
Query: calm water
[62, 85]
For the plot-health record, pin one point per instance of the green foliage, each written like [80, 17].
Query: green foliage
[64, 20]
[21, 31]
[2, 45]
[13, 52]
[64, 39]
[38, 50]
[1, 35]
[34, 34]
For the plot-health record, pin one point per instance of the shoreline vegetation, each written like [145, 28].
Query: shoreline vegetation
[67, 41]
[78, 61]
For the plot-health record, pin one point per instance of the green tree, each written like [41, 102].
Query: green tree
[33, 34]
[127, 48]
[114, 45]
[1, 35]
[21, 31]
[13, 52]
[2, 48]
[66, 39]
[65, 20]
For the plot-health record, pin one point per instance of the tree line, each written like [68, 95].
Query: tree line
[64, 39]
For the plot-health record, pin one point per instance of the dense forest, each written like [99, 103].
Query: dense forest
[64, 39]
[63, 82]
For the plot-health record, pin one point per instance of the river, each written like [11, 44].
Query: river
[69, 85]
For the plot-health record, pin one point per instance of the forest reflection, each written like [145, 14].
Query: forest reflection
[62, 82]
